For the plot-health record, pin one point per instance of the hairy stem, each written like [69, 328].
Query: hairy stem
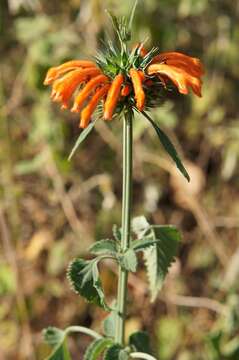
[84, 330]
[140, 355]
[126, 222]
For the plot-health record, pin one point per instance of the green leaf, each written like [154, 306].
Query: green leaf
[84, 278]
[98, 286]
[141, 342]
[113, 352]
[104, 247]
[168, 146]
[149, 57]
[53, 336]
[129, 260]
[131, 19]
[143, 244]
[96, 348]
[81, 138]
[120, 25]
[116, 232]
[159, 257]
[109, 324]
[159, 245]
[114, 20]
[57, 338]
[61, 352]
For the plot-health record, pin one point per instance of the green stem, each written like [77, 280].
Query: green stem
[126, 223]
[83, 330]
[140, 355]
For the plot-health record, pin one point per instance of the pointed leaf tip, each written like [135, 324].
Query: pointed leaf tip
[168, 146]
[81, 138]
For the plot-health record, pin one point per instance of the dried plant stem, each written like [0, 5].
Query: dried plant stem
[126, 222]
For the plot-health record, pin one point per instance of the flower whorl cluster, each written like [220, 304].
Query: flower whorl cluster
[132, 79]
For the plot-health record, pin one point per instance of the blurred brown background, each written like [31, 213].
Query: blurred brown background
[52, 209]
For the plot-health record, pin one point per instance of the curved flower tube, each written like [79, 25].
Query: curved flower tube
[180, 77]
[112, 97]
[137, 78]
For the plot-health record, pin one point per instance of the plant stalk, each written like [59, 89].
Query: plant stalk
[126, 225]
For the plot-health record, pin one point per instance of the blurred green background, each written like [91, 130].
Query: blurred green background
[52, 209]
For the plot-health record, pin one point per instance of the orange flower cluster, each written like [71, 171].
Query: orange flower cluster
[93, 85]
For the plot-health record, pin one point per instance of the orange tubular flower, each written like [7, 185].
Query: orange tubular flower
[136, 77]
[112, 97]
[85, 93]
[184, 71]
[54, 72]
[63, 88]
[90, 108]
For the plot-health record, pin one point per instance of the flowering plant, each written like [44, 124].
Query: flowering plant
[120, 82]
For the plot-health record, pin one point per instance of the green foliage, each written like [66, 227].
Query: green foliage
[143, 244]
[168, 146]
[108, 247]
[117, 233]
[60, 353]
[84, 278]
[81, 138]
[129, 260]
[109, 324]
[53, 336]
[97, 285]
[96, 348]
[113, 353]
[160, 252]
[57, 338]
[123, 25]
[140, 341]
